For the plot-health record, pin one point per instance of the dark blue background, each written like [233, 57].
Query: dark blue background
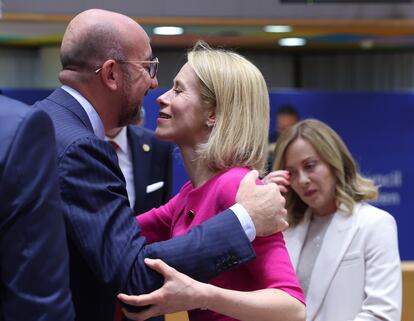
[377, 127]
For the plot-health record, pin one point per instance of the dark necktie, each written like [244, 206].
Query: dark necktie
[114, 145]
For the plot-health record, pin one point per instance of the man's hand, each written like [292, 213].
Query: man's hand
[179, 293]
[264, 203]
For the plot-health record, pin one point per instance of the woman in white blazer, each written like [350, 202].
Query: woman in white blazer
[344, 250]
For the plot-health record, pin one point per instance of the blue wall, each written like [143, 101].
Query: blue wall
[377, 127]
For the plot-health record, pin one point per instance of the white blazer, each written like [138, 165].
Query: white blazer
[357, 274]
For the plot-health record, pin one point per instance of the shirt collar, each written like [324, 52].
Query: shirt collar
[93, 116]
[120, 139]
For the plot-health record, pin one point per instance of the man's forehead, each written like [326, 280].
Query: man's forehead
[145, 46]
[148, 54]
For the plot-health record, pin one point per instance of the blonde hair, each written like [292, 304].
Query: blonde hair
[237, 91]
[351, 187]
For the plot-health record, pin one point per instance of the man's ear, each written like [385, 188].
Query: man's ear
[111, 74]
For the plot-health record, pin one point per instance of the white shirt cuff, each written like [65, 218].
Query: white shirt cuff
[245, 221]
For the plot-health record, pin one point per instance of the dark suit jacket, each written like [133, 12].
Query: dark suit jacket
[151, 164]
[106, 249]
[34, 267]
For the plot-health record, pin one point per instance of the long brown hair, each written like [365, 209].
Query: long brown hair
[351, 187]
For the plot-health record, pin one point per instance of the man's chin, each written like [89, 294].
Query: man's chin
[136, 117]
[131, 119]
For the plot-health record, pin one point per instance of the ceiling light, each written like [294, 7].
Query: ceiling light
[367, 44]
[168, 30]
[276, 28]
[292, 42]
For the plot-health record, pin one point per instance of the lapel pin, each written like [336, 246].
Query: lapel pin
[191, 214]
[146, 147]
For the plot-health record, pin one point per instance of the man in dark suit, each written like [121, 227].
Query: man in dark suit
[107, 70]
[34, 269]
[146, 163]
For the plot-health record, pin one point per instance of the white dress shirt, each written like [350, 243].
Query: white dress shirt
[125, 162]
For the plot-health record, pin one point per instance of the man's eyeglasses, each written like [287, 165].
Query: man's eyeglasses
[152, 65]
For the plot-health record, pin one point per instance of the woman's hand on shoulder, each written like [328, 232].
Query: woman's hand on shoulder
[281, 178]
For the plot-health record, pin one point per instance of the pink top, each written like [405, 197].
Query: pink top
[271, 268]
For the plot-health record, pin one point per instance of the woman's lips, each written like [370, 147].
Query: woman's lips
[310, 193]
[164, 116]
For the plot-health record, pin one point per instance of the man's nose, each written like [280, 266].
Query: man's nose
[154, 83]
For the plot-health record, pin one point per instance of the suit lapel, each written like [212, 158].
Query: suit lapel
[65, 100]
[141, 163]
[295, 237]
[337, 239]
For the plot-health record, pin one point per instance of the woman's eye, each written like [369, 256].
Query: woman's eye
[310, 165]
[177, 91]
[292, 174]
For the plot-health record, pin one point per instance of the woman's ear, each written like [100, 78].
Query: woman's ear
[211, 120]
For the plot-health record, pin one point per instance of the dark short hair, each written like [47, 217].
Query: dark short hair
[287, 110]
